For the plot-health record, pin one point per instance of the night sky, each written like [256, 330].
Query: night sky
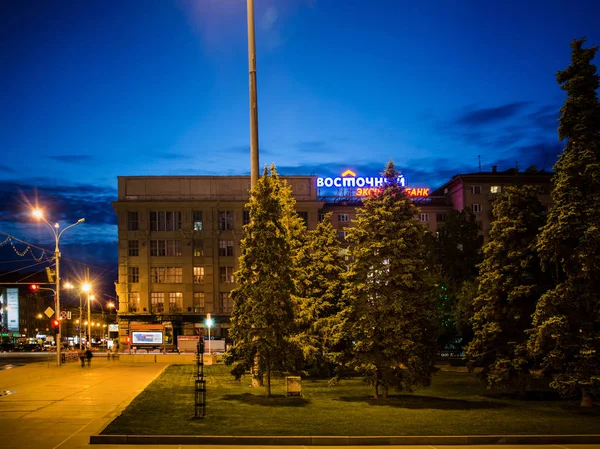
[91, 90]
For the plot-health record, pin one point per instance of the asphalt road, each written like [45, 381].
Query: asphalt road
[25, 358]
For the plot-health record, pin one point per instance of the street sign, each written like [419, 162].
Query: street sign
[69, 315]
[63, 315]
[49, 312]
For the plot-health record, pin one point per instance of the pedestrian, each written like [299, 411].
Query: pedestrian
[82, 357]
[88, 355]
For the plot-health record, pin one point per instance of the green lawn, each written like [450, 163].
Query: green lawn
[454, 405]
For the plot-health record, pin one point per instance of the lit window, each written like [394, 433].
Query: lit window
[197, 219]
[157, 302]
[175, 302]
[134, 302]
[198, 302]
[198, 275]
[495, 189]
[166, 275]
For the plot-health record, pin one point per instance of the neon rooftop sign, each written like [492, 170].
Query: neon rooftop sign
[367, 186]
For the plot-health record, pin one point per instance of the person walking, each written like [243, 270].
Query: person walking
[88, 355]
[82, 357]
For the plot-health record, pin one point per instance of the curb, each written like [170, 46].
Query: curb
[463, 440]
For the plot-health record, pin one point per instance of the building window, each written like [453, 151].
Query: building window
[475, 190]
[157, 302]
[226, 275]
[304, 216]
[225, 248]
[225, 301]
[342, 235]
[165, 247]
[321, 217]
[165, 221]
[133, 247]
[166, 275]
[476, 207]
[198, 248]
[246, 217]
[495, 189]
[132, 221]
[134, 302]
[198, 302]
[440, 217]
[343, 218]
[197, 219]
[134, 275]
[176, 302]
[225, 220]
[424, 217]
[198, 275]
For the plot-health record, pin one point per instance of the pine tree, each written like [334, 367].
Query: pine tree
[510, 283]
[320, 295]
[455, 252]
[567, 319]
[391, 314]
[262, 320]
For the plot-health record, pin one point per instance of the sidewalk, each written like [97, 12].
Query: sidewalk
[53, 407]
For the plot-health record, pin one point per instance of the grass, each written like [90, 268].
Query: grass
[455, 404]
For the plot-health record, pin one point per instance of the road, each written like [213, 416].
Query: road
[25, 358]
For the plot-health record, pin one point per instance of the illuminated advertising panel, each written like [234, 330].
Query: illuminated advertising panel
[146, 338]
[361, 186]
[12, 304]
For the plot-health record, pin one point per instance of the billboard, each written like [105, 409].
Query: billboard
[146, 338]
[12, 304]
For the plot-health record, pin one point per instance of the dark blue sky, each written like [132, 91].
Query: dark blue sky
[96, 89]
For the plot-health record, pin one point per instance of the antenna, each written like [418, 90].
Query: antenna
[479, 160]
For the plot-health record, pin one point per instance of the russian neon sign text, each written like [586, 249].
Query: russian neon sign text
[349, 179]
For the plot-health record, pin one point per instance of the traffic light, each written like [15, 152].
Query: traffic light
[34, 287]
[55, 323]
[128, 339]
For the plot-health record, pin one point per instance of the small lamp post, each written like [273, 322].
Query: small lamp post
[209, 322]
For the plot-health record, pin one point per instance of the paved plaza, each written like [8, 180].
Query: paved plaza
[49, 407]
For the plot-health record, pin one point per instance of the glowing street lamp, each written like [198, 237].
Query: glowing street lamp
[39, 214]
[209, 323]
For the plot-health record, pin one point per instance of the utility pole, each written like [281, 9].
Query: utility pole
[253, 96]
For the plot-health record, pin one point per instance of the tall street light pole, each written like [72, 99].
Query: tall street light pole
[39, 214]
[253, 96]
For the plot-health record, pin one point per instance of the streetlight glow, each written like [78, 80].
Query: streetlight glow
[37, 213]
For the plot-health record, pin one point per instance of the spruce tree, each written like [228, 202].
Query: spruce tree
[510, 283]
[262, 320]
[321, 303]
[391, 313]
[567, 319]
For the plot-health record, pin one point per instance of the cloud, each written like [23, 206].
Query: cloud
[67, 203]
[269, 18]
[75, 159]
[6, 169]
[482, 116]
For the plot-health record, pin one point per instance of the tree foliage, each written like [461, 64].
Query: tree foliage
[567, 319]
[510, 283]
[262, 320]
[391, 313]
[320, 301]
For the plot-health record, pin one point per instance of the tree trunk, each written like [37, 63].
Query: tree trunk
[268, 389]
[385, 392]
[586, 399]
[522, 379]
[257, 377]
[376, 389]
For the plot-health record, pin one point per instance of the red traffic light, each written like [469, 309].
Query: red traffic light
[55, 323]
[128, 340]
[34, 287]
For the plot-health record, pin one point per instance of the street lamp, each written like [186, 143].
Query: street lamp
[39, 214]
[209, 322]
[85, 288]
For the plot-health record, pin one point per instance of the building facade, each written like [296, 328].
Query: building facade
[179, 237]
